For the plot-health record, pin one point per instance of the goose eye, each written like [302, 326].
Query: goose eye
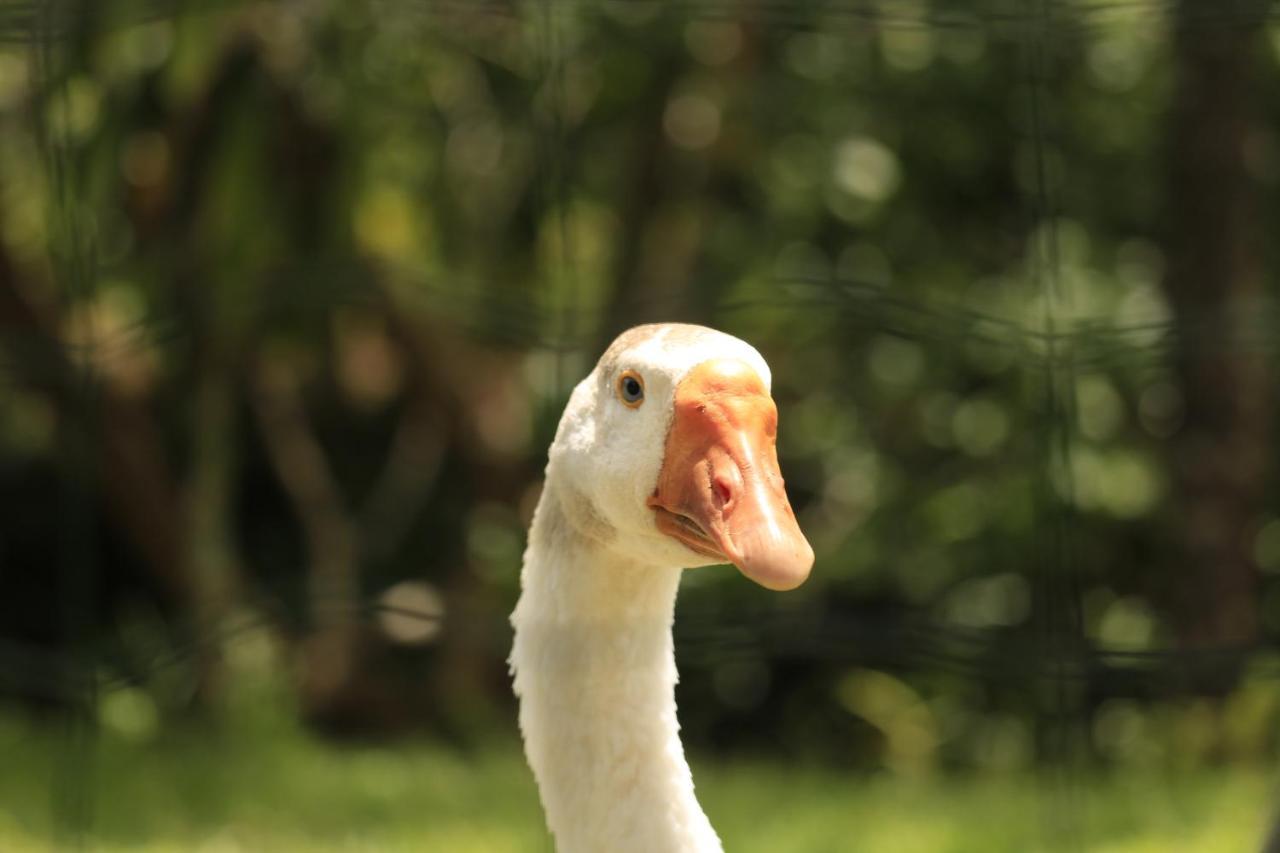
[631, 389]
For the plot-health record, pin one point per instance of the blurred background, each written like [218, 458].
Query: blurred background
[292, 295]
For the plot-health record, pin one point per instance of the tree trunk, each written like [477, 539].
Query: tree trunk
[1214, 280]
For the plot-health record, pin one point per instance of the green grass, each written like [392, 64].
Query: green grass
[276, 789]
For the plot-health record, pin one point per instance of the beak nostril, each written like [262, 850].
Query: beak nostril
[723, 491]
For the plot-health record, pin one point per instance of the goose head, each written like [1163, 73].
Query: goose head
[666, 454]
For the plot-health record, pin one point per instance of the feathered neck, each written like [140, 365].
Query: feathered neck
[595, 672]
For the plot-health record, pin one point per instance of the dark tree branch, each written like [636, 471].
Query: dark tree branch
[136, 478]
[1215, 272]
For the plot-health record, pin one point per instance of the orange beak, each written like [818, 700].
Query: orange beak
[720, 492]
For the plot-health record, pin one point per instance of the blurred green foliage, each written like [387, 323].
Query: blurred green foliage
[292, 295]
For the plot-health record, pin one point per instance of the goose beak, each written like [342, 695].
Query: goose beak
[720, 492]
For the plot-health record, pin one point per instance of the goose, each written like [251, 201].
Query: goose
[663, 460]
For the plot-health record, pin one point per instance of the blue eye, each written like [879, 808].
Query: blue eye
[631, 388]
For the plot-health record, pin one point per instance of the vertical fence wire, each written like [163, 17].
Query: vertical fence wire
[559, 273]
[73, 260]
[562, 289]
[1058, 612]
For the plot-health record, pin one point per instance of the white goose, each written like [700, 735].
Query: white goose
[664, 459]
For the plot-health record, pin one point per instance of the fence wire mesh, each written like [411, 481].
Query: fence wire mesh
[1008, 260]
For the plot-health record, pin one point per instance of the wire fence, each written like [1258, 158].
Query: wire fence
[1048, 658]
